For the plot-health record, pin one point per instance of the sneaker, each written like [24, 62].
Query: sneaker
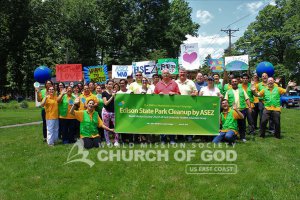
[172, 142]
[272, 132]
[189, 139]
[108, 144]
[116, 144]
[65, 142]
[244, 140]
[51, 145]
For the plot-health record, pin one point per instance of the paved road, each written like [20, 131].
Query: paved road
[17, 125]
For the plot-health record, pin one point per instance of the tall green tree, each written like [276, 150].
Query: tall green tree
[274, 36]
[179, 25]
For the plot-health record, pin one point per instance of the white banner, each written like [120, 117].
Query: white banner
[148, 68]
[189, 57]
[121, 71]
[237, 63]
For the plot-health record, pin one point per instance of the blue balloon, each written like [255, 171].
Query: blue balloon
[42, 74]
[265, 67]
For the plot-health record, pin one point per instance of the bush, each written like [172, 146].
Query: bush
[24, 104]
[13, 105]
[3, 105]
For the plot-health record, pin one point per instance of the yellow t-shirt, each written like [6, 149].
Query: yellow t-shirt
[245, 88]
[85, 98]
[51, 108]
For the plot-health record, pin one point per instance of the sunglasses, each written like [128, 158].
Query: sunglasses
[138, 75]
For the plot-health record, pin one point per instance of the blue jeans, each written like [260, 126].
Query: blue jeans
[229, 136]
[164, 138]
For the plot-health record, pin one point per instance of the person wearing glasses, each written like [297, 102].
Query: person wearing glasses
[123, 87]
[51, 108]
[146, 89]
[136, 87]
[210, 89]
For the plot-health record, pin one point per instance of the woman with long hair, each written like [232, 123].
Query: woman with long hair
[51, 108]
[108, 111]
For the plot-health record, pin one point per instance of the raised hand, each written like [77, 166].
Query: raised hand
[291, 84]
[234, 106]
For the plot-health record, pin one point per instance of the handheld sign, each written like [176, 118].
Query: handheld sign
[36, 84]
[69, 72]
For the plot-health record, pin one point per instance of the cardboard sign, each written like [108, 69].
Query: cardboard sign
[148, 68]
[97, 74]
[189, 56]
[167, 63]
[216, 65]
[68, 72]
[237, 63]
[121, 71]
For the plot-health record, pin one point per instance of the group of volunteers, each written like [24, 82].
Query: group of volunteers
[86, 111]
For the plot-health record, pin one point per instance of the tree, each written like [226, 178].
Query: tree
[180, 25]
[274, 36]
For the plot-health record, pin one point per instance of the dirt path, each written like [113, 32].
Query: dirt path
[17, 125]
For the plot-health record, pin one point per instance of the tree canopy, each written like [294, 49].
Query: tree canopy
[275, 37]
[90, 32]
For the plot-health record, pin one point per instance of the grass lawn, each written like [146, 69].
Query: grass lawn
[267, 169]
[10, 116]
[19, 116]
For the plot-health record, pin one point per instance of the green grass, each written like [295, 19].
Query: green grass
[19, 116]
[267, 169]
[11, 113]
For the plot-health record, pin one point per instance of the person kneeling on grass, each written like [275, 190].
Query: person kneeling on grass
[89, 121]
[228, 120]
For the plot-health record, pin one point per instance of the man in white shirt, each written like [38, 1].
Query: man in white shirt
[186, 86]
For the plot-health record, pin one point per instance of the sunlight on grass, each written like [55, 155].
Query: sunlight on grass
[267, 169]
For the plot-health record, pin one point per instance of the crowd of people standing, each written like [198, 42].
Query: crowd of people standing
[86, 111]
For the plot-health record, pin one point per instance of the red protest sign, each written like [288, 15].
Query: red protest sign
[69, 72]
